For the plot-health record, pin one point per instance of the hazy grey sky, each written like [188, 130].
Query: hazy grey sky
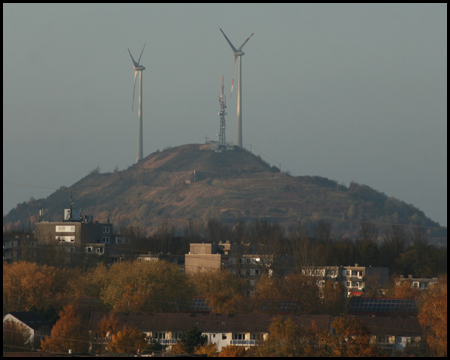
[349, 92]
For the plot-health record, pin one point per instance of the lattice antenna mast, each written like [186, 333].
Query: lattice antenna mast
[222, 113]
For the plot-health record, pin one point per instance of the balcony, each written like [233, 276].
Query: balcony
[166, 341]
[243, 342]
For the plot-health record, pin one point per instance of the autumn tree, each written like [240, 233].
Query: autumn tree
[302, 288]
[433, 317]
[16, 337]
[69, 332]
[287, 339]
[128, 340]
[333, 298]
[219, 287]
[108, 326]
[351, 338]
[89, 283]
[404, 290]
[232, 351]
[267, 290]
[156, 286]
[26, 284]
[210, 350]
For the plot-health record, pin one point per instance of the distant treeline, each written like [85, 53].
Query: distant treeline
[310, 243]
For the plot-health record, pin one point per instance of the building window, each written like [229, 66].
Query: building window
[224, 336]
[105, 239]
[106, 229]
[99, 250]
[89, 249]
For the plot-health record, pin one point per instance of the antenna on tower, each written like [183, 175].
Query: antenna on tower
[71, 203]
[222, 113]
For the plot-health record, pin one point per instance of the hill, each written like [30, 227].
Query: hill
[229, 185]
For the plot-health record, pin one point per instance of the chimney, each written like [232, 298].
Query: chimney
[356, 265]
[409, 276]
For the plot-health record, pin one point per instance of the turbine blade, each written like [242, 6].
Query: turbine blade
[229, 42]
[139, 61]
[232, 82]
[134, 62]
[134, 88]
[245, 42]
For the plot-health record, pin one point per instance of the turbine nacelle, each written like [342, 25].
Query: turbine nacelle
[238, 53]
[138, 68]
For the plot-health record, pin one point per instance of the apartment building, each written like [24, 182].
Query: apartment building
[354, 278]
[418, 283]
[15, 246]
[77, 231]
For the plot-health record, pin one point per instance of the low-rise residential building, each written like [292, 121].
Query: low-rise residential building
[248, 330]
[244, 330]
[418, 283]
[38, 327]
[393, 333]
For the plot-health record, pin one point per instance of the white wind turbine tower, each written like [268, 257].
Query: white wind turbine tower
[238, 54]
[139, 68]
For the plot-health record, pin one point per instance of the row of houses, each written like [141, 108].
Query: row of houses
[243, 330]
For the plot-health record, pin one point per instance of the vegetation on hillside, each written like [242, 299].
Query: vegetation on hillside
[229, 185]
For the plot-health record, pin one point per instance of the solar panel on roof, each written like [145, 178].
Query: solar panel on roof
[382, 305]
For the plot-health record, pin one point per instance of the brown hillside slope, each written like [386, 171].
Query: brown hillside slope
[230, 185]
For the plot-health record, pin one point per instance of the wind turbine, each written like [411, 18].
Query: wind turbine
[138, 68]
[238, 55]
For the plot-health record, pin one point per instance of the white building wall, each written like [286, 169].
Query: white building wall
[14, 319]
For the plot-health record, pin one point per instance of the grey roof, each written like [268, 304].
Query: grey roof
[147, 322]
[31, 319]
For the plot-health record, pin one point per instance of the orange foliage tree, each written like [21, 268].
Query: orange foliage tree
[26, 284]
[69, 332]
[107, 327]
[210, 350]
[145, 286]
[433, 317]
[286, 339]
[232, 351]
[351, 338]
[219, 287]
[128, 340]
